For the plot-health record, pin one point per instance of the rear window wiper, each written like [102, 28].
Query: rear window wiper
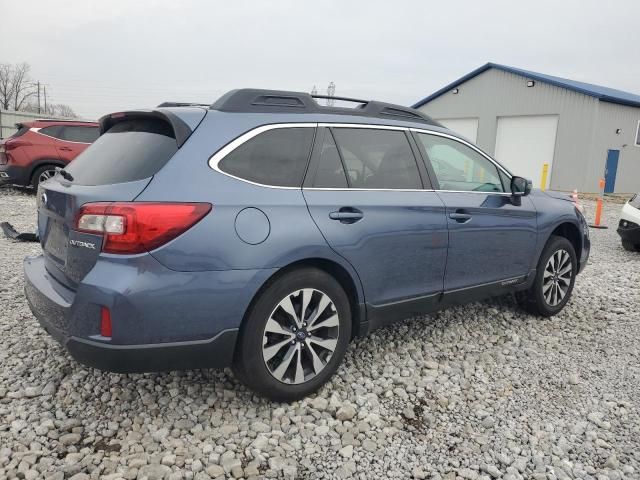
[66, 175]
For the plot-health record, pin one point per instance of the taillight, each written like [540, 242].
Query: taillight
[136, 227]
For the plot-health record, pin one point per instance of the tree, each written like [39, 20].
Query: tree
[63, 110]
[6, 86]
[22, 86]
[16, 87]
[19, 92]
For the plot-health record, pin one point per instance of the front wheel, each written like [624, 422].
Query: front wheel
[294, 336]
[555, 277]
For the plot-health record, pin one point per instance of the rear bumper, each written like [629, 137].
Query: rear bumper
[174, 336]
[216, 352]
[14, 175]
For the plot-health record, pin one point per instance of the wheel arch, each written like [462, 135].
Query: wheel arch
[348, 281]
[571, 232]
[43, 163]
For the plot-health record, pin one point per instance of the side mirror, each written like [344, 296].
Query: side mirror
[520, 187]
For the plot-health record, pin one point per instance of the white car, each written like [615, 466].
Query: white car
[629, 226]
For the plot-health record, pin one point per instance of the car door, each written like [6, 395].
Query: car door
[365, 192]
[492, 235]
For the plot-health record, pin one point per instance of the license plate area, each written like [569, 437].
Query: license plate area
[56, 240]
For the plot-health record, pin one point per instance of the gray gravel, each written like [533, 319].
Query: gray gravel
[476, 392]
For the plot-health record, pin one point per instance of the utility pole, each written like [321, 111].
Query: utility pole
[38, 96]
[331, 90]
[45, 99]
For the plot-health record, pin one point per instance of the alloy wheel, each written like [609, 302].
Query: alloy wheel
[46, 175]
[300, 336]
[557, 277]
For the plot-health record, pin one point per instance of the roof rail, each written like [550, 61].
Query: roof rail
[279, 101]
[182, 104]
[342, 99]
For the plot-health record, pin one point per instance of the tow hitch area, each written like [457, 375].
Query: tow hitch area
[11, 233]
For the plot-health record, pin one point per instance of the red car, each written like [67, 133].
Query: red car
[32, 154]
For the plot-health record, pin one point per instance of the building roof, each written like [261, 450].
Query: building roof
[602, 93]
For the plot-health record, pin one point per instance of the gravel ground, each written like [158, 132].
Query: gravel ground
[476, 392]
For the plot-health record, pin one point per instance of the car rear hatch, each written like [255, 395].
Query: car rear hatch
[21, 129]
[117, 167]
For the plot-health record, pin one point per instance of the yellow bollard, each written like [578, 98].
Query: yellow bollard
[545, 172]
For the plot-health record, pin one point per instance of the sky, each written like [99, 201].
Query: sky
[101, 57]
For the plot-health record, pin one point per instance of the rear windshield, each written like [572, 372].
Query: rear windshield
[130, 150]
[21, 130]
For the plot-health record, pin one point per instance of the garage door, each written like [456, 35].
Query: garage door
[525, 143]
[467, 127]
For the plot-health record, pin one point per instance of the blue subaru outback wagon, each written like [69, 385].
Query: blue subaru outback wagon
[266, 231]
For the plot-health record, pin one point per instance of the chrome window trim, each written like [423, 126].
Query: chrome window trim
[217, 157]
[464, 142]
[37, 130]
[363, 125]
[340, 189]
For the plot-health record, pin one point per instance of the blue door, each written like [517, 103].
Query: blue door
[366, 196]
[610, 171]
[492, 239]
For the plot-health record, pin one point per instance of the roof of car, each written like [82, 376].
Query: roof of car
[253, 100]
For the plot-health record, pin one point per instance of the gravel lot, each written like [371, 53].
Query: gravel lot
[476, 392]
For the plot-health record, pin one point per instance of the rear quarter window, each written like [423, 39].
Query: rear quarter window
[54, 131]
[130, 150]
[276, 157]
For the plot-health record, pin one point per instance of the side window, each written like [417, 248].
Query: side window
[377, 158]
[53, 131]
[276, 157]
[80, 134]
[459, 167]
[330, 173]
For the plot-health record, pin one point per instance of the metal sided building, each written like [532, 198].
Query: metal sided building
[525, 119]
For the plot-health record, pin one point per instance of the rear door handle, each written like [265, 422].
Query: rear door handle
[460, 217]
[66, 149]
[346, 215]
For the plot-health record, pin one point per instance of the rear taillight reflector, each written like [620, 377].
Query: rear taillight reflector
[136, 227]
[105, 322]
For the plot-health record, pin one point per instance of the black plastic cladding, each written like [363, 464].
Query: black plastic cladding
[278, 101]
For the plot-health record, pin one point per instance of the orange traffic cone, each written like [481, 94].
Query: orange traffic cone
[599, 208]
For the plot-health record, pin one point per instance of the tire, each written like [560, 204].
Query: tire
[268, 348]
[39, 174]
[543, 298]
[630, 247]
